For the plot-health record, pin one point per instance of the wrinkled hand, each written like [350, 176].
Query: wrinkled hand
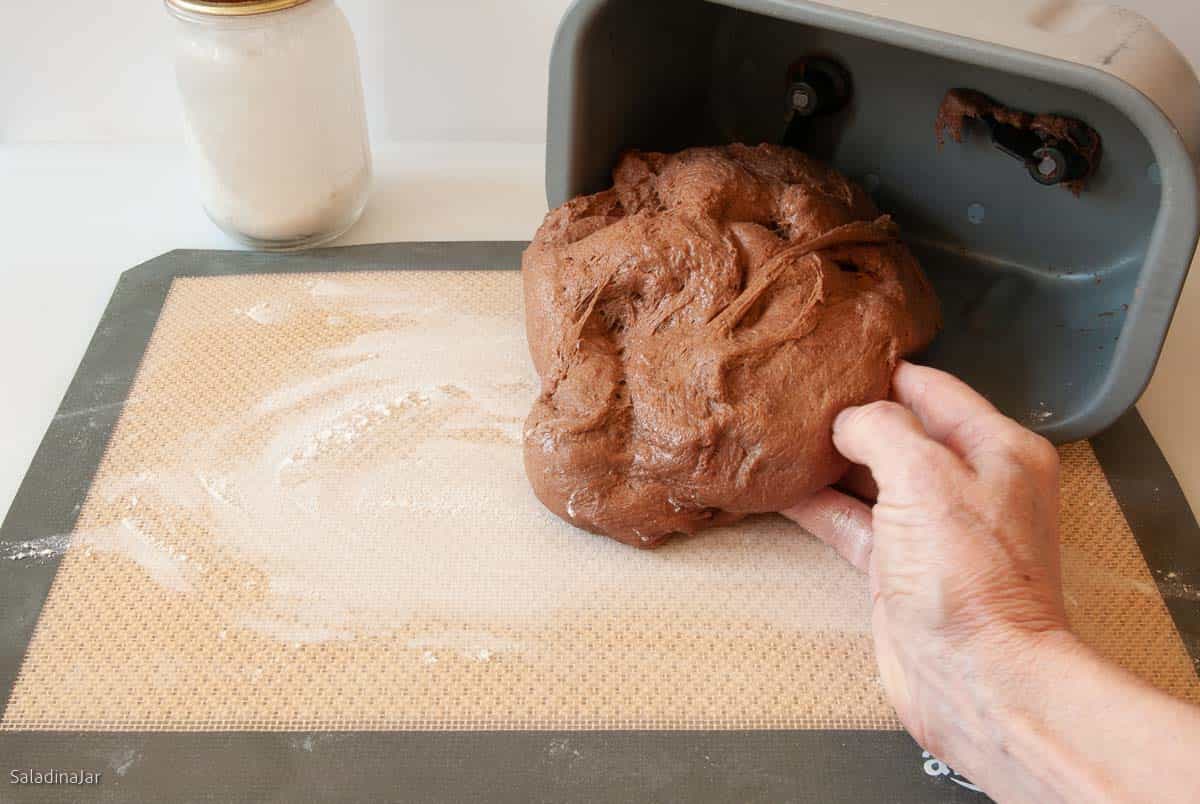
[961, 548]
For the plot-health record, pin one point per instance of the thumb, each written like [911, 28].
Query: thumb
[889, 440]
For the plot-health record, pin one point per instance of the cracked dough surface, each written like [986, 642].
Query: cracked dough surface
[698, 326]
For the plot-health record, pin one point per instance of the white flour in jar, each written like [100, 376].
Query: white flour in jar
[276, 120]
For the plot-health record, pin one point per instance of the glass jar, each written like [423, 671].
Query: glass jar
[273, 99]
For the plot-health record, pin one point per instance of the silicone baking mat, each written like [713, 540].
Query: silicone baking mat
[311, 516]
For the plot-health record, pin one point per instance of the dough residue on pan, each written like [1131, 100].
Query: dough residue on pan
[698, 327]
[961, 105]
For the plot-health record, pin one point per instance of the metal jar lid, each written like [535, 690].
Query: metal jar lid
[233, 8]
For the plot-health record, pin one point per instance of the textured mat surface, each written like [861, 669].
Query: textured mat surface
[313, 516]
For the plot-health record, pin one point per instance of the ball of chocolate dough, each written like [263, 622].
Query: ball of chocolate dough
[698, 327]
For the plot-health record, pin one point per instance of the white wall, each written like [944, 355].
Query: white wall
[85, 71]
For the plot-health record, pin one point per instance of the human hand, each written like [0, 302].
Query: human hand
[961, 547]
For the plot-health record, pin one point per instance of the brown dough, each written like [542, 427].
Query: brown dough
[698, 327]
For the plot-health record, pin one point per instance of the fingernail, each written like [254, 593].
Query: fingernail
[842, 417]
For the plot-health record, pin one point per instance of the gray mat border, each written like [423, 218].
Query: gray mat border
[747, 766]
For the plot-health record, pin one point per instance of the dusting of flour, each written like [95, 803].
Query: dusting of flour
[380, 478]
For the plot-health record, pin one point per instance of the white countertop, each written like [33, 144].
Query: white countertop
[75, 216]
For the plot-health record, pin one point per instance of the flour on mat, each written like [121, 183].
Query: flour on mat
[388, 459]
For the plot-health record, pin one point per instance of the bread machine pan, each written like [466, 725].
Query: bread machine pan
[1057, 302]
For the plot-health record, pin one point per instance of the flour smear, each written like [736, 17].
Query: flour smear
[383, 482]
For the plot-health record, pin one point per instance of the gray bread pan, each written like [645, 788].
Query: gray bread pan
[1057, 304]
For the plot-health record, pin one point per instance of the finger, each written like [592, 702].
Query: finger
[840, 521]
[956, 415]
[888, 439]
[858, 482]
